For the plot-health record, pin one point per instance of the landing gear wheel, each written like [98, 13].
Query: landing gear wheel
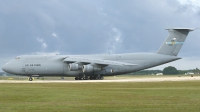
[92, 78]
[76, 78]
[30, 79]
[81, 78]
[86, 78]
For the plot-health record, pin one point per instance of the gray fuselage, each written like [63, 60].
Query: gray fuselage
[41, 65]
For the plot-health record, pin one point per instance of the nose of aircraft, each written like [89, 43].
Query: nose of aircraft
[5, 68]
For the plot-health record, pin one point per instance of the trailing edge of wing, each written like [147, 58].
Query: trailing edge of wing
[97, 61]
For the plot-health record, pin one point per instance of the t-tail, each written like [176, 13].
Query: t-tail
[174, 41]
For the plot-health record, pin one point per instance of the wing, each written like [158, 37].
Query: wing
[96, 61]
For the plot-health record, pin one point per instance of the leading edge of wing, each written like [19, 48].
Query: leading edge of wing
[96, 61]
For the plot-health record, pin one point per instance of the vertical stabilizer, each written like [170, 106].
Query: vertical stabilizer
[174, 41]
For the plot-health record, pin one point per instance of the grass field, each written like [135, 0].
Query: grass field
[101, 97]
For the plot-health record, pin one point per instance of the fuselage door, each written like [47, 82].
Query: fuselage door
[26, 68]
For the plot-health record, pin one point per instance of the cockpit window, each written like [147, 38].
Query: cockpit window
[17, 58]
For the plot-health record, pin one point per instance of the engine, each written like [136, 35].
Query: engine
[90, 68]
[73, 67]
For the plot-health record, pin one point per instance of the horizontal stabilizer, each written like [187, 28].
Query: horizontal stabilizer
[187, 29]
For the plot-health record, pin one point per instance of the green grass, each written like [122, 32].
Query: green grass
[101, 97]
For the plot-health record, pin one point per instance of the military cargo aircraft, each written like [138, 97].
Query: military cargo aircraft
[95, 67]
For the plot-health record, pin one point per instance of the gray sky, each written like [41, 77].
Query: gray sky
[96, 27]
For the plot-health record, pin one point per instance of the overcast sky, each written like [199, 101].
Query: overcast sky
[97, 27]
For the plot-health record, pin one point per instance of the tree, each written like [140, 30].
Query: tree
[196, 71]
[170, 70]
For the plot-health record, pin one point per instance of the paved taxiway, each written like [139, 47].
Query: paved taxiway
[117, 80]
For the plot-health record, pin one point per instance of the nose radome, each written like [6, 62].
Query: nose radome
[5, 68]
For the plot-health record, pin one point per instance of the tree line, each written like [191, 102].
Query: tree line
[170, 70]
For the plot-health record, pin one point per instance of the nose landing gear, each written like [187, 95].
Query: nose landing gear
[30, 79]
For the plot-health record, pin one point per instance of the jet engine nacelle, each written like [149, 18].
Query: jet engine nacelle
[90, 68]
[73, 67]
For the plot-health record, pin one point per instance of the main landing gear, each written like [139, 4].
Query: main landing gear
[96, 77]
[89, 78]
[81, 78]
